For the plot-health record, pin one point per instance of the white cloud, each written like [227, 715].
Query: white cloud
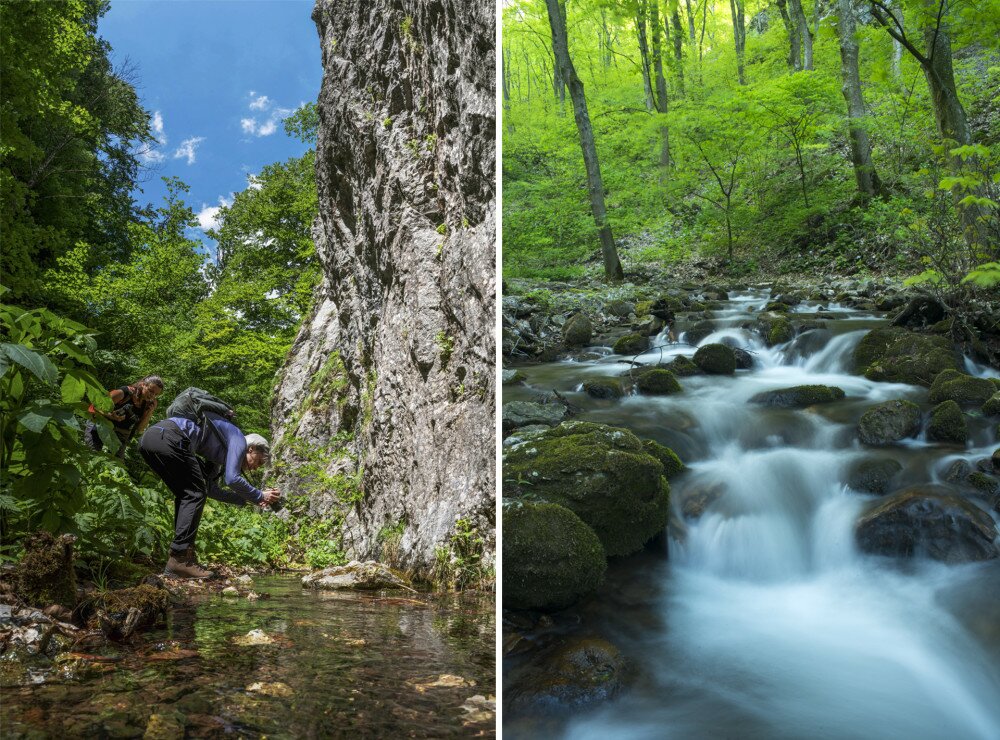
[268, 127]
[158, 132]
[208, 216]
[253, 183]
[260, 103]
[187, 149]
[151, 155]
[249, 125]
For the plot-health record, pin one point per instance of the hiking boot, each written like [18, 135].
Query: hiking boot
[184, 565]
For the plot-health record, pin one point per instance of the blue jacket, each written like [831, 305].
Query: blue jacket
[229, 455]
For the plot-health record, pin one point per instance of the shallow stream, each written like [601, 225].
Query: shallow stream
[334, 664]
[759, 618]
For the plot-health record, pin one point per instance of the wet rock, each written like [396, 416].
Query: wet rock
[578, 330]
[798, 396]
[948, 424]
[551, 558]
[900, 356]
[983, 484]
[698, 332]
[874, 476]
[603, 474]
[270, 688]
[603, 388]
[920, 312]
[619, 309]
[682, 367]
[243, 580]
[672, 465]
[356, 576]
[164, 725]
[512, 377]
[927, 521]
[45, 574]
[889, 422]
[957, 471]
[479, 709]
[699, 497]
[777, 307]
[576, 673]
[992, 405]
[444, 681]
[780, 331]
[744, 360]
[657, 382]
[255, 637]
[965, 390]
[120, 612]
[716, 359]
[527, 413]
[631, 344]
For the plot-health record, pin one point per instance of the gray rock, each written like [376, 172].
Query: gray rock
[874, 476]
[524, 413]
[512, 377]
[355, 576]
[406, 237]
[578, 330]
[889, 422]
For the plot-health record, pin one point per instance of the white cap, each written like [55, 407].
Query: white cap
[255, 440]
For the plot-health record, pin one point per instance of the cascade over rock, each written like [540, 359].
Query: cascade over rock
[396, 362]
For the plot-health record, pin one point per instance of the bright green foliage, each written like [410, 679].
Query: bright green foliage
[757, 173]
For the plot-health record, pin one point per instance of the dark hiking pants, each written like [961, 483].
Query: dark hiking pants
[168, 452]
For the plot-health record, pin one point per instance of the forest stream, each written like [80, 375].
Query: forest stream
[757, 616]
[295, 663]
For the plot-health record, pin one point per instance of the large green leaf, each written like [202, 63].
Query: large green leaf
[38, 364]
[73, 389]
[35, 417]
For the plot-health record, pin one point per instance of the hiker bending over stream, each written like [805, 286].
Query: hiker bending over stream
[134, 406]
[191, 456]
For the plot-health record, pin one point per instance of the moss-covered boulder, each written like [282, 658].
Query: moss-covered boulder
[578, 330]
[896, 355]
[777, 307]
[672, 465]
[699, 331]
[744, 360]
[682, 367]
[550, 557]
[631, 344]
[948, 424]
[927, 521]
[656, 381]
[798, 396]
[889, 422]
[874, 475]
[45, 574]
[716, 359]
[965, 390]
[603, 388]
[992, 406]
[603, 474]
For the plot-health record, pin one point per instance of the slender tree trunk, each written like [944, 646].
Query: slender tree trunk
[861, 150]
[661, 82]
[897, 48]
[675, 21]
[640, 29]
[612, 265]
[794, 53]
[690, 18]
[740, 36]
[605, 41]
[504, 74]
[805, 35]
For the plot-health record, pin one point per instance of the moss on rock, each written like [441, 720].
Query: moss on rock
[965, 390]
[631, 344]
[550, 557]
[682, 367]
[716, 359]
[948, 424]
[601, 473]
[798, 396]
[896, 355]
[578, 330]
[603, 388]
[672, 465]
[45, 574]
[699, 331]
[657, 382]
[992, 406]
[889, 422]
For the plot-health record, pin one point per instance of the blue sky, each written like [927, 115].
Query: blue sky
[218, 76]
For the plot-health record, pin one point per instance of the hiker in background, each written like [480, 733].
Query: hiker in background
[134, 407]
[191, 450]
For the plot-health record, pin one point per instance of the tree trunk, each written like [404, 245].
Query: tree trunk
[794, 53]
[861, 150]
[805, 35]
[504, 72]
[675, 21]
[605, 41]
[612, 265]
[897, 48]
[661, 82]
[740, 36]
[690, 17]
[640, 28]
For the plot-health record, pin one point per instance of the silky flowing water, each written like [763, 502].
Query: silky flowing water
[338, 664]
[760, 618]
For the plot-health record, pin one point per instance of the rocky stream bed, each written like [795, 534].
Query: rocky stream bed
[751, 511]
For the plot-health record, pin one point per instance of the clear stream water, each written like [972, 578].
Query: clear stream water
[762, 620]
[340, 664]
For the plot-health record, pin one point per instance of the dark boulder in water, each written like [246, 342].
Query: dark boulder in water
[682, 366]
[889, 422]
[657, 382]
[874, 475]
[716, 359]
[897, 355]
[699, 331]
[551, 557]
[631, 344]
[570, 675]
[798, 396]
[603, 388]
[928, 521]
[965, 390]
[948, 424]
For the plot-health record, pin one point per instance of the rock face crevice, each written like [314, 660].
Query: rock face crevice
[396, 362]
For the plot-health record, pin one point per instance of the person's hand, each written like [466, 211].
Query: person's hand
[270, 496]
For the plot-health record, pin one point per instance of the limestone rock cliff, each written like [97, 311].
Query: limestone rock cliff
[390, 383]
